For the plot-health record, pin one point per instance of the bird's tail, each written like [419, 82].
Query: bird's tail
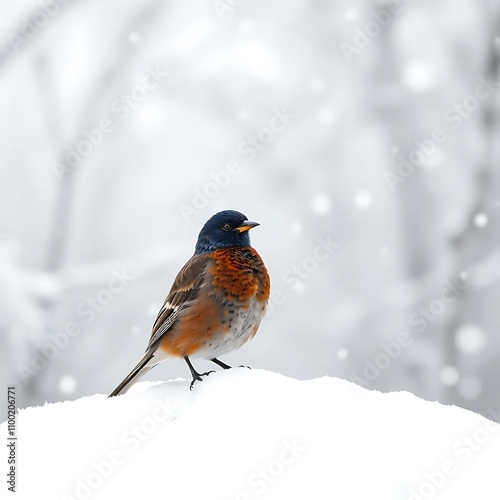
[145, 364]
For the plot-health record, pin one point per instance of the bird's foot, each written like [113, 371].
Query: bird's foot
[198, 377]
[195, 378]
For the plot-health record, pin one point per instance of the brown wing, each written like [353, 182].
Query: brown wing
[184, 290]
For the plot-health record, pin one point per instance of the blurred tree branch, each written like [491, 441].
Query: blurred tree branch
[466, 246]
[121, 56]
[120, 59]
[7, 52]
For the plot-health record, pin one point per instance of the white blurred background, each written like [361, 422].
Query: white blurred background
[371, 125]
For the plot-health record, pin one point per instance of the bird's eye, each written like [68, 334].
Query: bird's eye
[226, 226]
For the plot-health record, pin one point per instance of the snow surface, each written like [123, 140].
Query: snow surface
[244, 434]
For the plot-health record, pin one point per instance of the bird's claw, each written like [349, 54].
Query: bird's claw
[198, 376]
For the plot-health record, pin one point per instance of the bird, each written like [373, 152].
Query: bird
[216, 302]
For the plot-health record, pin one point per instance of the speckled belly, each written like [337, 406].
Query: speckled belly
[239, 326]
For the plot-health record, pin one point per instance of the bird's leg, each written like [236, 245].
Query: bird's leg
[194, 373]
[221, 364]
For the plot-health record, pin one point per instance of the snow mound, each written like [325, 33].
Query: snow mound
[245, 434]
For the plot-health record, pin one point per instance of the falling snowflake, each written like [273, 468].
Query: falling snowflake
[67, 384]
[448, 375]
[321, 204]
[418, 76]
[470, 339]
[342, 353]
[481, 220]
[351, 14]
[326, 116]
[363, 200]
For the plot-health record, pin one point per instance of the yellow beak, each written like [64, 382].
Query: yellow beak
[246, 225]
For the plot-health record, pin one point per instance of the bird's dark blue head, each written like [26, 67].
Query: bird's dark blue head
[225, 229]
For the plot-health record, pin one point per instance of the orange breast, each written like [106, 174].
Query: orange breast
[241, 275]
[235, 278]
